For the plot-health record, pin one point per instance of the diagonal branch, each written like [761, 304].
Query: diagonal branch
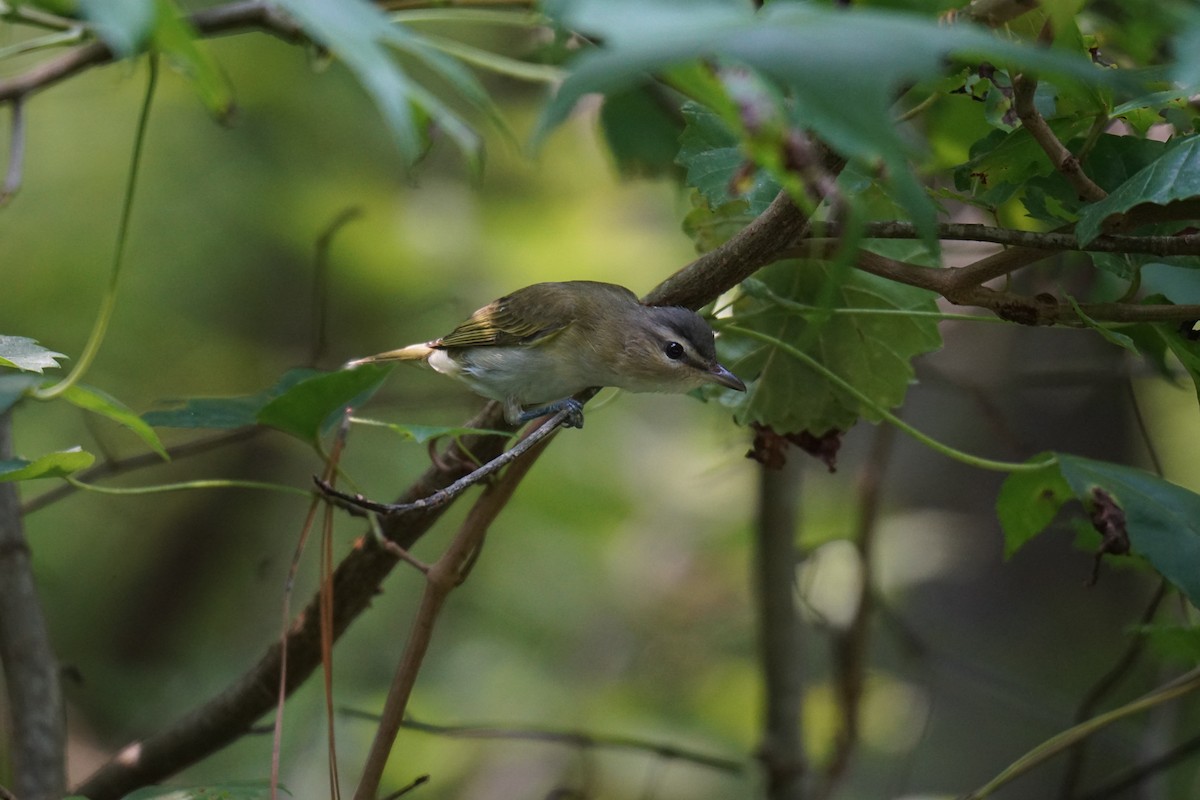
[231, 714]
[1066, 162]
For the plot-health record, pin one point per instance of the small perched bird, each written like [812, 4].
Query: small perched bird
[535, 348]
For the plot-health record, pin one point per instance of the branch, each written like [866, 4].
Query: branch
[1054, 241]
[241, 16]
[1024, 88]
[229, 715]
[31, 675]
[442, 577]
[779, 639]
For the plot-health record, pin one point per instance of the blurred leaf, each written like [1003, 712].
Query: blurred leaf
[642, 133]
[26, 354]
[713, 158]
[1186, 70]
[1028, 502]
[225, 412]
[13, 387]
[98, 402]
[709, 228]
[358, 33]
[1177, 643]
[175, 39]
[51, 465]
[311, 406]
[1110, 335]
[1173, 176]
[124, 25]
[870, 351]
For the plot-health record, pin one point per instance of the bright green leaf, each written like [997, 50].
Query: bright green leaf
[1172, 177]
[871, 351]
[224, 413]
[1110, 335]
[709, 228]
[312, 405]
[1177, 643]
[98, 402]
[174, 38]
[1028, 502]
[23, 353]
[51, 465]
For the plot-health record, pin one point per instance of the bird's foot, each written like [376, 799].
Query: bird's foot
[573, 407]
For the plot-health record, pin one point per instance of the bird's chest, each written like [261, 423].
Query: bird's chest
[528, 375]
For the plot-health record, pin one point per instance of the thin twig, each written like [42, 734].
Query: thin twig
[1054, 241]
[356, 504]
[16, 154]
[1101, 689]
[320, 296]
[850, 647]
[140, 461]
[1024, 89]
[578, 739]
[442, 577]
[236, 17]
[780, 640]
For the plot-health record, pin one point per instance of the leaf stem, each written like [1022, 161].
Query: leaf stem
[210, 483]
[109, 301]
[924, 438]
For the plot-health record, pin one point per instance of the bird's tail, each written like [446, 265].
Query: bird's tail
[414, 352]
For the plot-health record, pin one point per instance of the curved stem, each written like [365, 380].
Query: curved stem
[211, 483]
[109, 302]
[924, 438]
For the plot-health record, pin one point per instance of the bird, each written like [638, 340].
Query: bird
[534, 349]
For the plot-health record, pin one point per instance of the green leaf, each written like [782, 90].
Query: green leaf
[872, 351]
[713, 158]
[1173, 176]
[314, 404]
[709, 228]
[359, 34]
[98, 402]
[1185, 349]
[14, 387]
[1111, 336]
[641, 133]
[1176, 643]
[26, 354]
[225, 413]
[51, 465]
[174, 38]
[841, 69]
[1162, 519]
[1028, 502]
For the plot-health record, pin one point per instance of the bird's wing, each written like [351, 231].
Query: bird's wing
[498, 324]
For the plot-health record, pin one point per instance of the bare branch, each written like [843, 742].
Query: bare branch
[242, 16]
[31, 674]
[1024, 87]
[1181, 245]
[779, 634]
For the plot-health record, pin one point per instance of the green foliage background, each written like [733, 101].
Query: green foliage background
[613, 596]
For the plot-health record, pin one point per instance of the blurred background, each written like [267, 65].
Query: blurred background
[614, 595]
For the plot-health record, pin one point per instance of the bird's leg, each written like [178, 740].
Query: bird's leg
[358, 505]
[573, 407]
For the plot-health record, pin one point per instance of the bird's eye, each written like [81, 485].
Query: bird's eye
[674, 350]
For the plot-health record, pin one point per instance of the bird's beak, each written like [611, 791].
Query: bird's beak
[718, 374]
